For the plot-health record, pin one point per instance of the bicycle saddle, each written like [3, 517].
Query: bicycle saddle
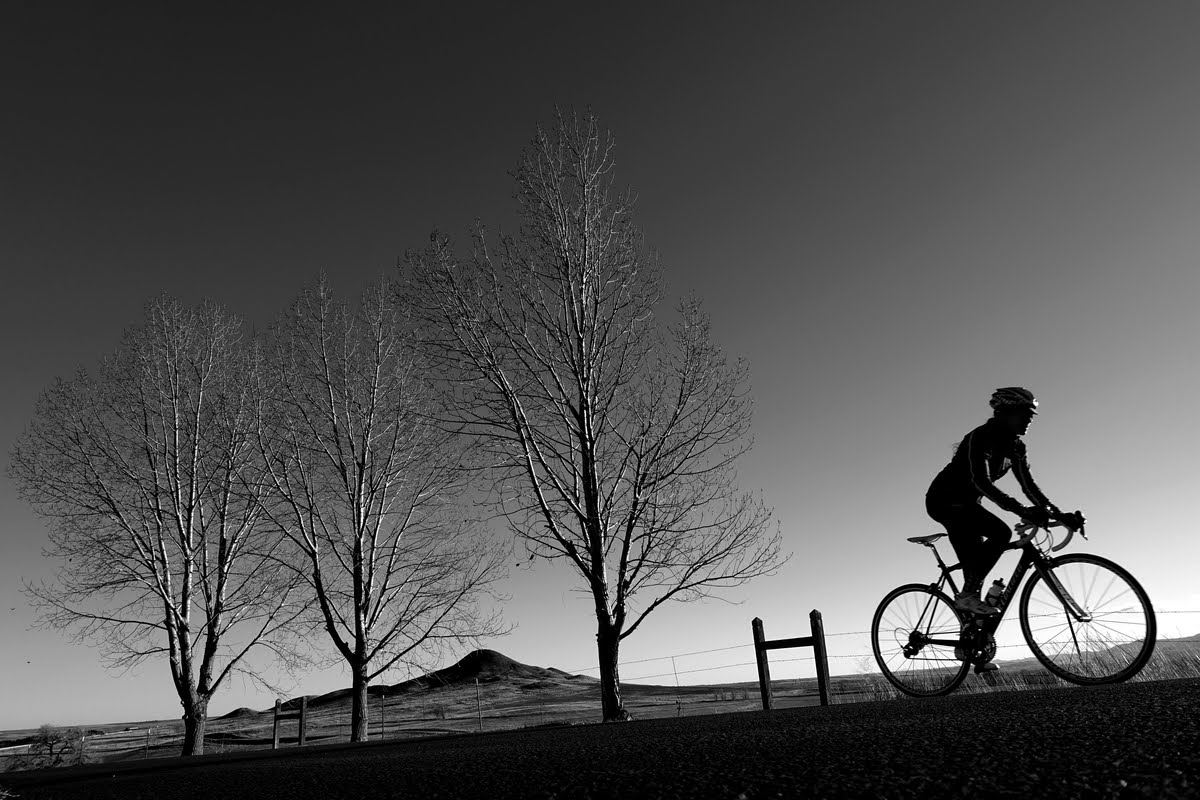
[926, 540]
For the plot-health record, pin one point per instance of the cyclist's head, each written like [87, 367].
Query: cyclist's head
[1015, 406]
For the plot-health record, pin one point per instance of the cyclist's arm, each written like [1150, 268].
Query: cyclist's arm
[1025, 479]
[977, 457]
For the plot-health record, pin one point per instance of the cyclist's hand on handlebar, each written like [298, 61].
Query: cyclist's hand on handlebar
[1073, 520]
[1038, 516]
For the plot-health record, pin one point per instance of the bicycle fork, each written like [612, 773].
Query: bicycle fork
[1058, 590]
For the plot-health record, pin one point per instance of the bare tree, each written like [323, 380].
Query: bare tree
[616, 438]
[51, 746]
[367, 488]
[149, 472]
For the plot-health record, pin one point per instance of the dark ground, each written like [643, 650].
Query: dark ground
[1135, 740]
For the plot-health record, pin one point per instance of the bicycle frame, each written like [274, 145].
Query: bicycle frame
[1032, 557]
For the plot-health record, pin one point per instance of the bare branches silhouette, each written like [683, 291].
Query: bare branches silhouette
[368, 489]
[613, 438]
[148, 471]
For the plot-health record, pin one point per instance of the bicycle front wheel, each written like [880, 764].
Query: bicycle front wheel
[1087, 620]
[915, 633]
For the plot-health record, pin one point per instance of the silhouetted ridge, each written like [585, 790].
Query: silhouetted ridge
[485, 665]
[482, 665]
[239, 712]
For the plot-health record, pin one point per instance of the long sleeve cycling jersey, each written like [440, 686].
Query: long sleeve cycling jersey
[984, 456]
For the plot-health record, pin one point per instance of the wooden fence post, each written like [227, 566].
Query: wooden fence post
[818, 638]
[764, 671]
[303, 718]
[275, 727]
[816, 642]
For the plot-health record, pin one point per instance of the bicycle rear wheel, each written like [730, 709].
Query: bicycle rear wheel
[1107, 637]
[914, 635]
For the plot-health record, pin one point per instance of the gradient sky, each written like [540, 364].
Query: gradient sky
[890, 210]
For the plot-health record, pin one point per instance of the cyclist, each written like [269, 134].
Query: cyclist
[954, 498]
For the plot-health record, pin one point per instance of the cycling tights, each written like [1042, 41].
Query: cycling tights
[977, 535]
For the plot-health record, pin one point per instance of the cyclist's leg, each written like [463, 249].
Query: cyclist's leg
[966, 540]
[978, 538]
[996, 538]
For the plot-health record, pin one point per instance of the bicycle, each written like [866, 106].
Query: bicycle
[1086, 619]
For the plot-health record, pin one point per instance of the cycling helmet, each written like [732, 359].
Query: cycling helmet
[1014, 396]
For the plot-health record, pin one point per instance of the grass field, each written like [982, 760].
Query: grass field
[511, 695]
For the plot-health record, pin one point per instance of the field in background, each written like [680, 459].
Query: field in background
[510, 695]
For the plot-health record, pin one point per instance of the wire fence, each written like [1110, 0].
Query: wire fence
[496, 705]
[1008, 632]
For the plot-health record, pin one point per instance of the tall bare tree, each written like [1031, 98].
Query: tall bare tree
[367, 487]
[149, 472]
[616, 438]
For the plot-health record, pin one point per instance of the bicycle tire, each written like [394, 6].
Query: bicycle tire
[904, 616]
[1113, 645]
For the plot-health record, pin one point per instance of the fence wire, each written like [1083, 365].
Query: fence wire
[466, 709]
[1005, 624]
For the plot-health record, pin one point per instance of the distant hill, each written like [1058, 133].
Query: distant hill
[239, 712]
[486, 666]
[490, 665]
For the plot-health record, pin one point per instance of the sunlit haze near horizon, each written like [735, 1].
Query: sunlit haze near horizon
[889, 209]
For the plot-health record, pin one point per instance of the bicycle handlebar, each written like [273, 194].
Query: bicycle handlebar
[1024, 526]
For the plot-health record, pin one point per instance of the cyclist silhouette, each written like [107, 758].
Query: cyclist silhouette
[980, 459]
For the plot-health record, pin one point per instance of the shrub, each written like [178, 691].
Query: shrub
[52, 747]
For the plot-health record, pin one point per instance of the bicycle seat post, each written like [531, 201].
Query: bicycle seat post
[938, 556]
[928, 541]
[944, 568]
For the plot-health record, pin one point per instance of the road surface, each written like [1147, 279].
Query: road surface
[1130, 741]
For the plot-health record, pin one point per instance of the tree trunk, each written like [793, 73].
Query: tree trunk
[358, 711]
[195, 720]
[608, 643]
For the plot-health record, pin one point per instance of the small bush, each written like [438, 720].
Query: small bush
[52, 747]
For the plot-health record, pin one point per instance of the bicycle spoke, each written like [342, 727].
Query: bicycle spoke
[906, 624]
[1113, 637]
[1102, 598]
[1074, 635]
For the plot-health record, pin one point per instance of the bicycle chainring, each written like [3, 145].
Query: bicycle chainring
[983, 647]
